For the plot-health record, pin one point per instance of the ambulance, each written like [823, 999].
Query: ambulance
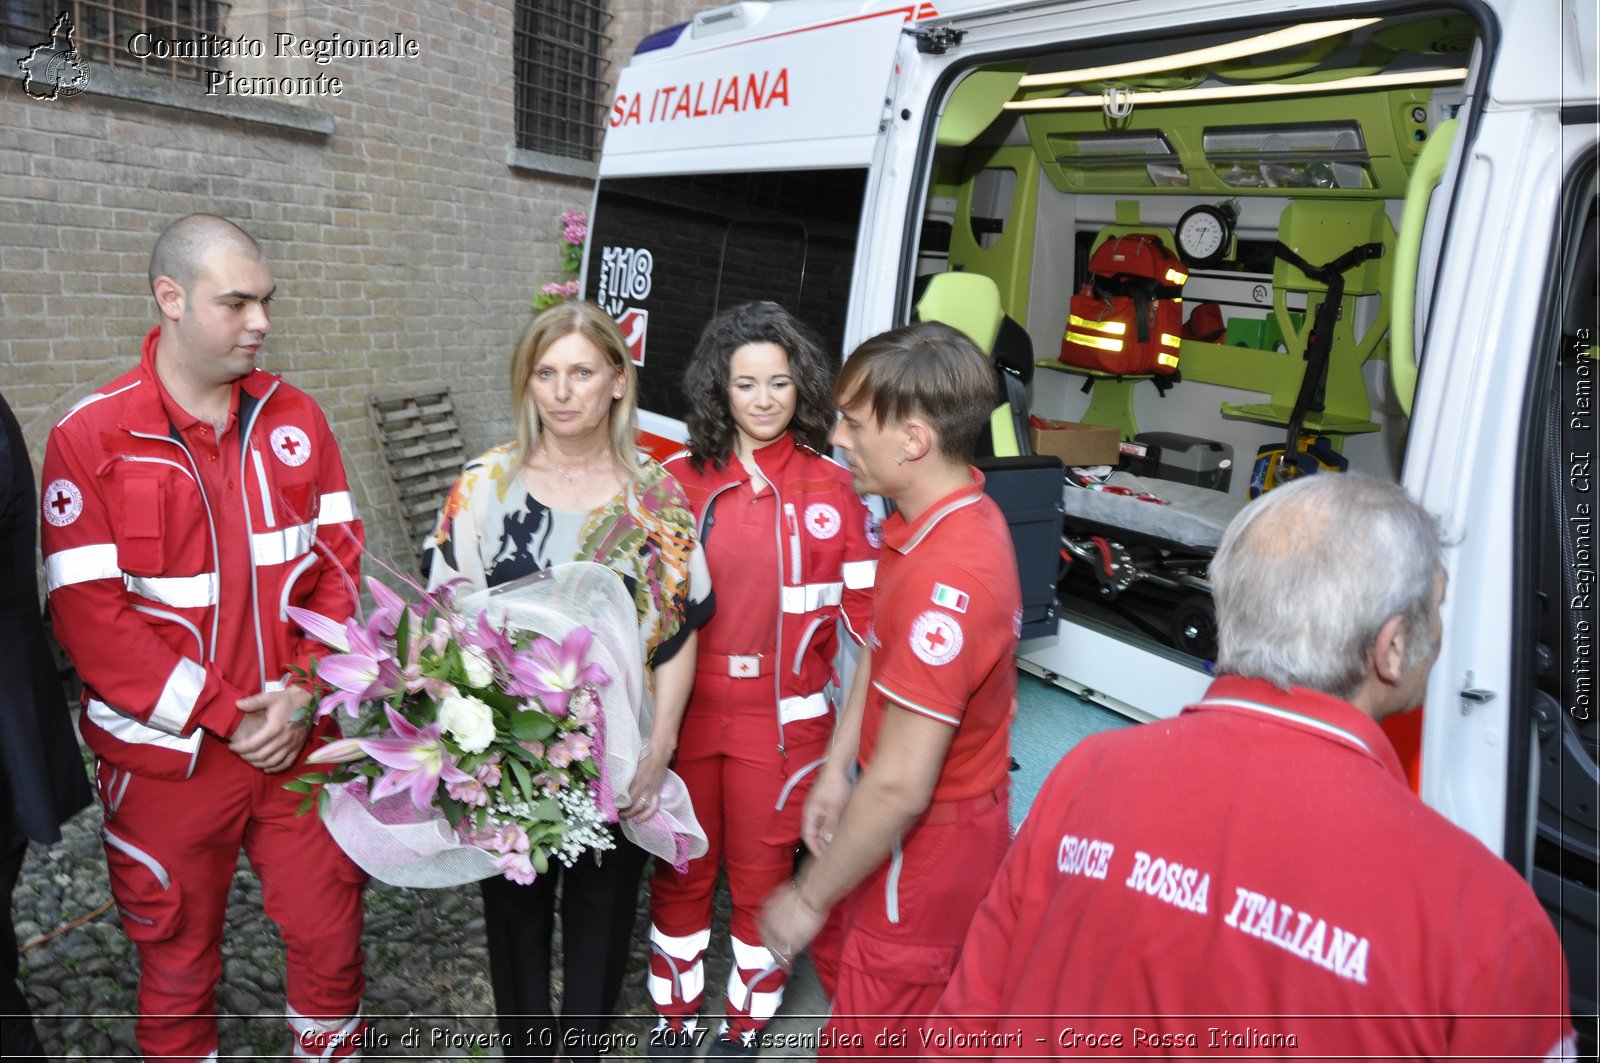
[1373, 237]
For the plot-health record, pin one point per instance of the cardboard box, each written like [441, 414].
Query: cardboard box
[1075, 443]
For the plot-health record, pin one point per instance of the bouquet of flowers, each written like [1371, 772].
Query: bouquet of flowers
[476, 731]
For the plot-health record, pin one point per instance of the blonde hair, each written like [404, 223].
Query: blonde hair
[595, 325]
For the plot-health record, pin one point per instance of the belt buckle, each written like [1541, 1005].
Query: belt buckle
[744, 666]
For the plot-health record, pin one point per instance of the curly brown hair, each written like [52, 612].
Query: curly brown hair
[712, 432]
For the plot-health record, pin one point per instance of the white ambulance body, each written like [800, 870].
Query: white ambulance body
[828, 153]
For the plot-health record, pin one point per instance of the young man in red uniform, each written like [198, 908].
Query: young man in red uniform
[927, 822]
[186, 504]
[1255, 878]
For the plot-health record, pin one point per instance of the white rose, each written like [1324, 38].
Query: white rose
[480, 673]
[469, 721]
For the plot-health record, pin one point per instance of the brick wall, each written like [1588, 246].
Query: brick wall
[404, 247]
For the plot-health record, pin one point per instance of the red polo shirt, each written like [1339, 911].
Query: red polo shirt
[944, 634]
[1254, 880]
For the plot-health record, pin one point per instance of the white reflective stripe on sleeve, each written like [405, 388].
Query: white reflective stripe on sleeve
[811, 596]
[180, 592]
[288, 585]
[127, 729]
[176, 703]
[284, 545]
[80, 564]
[807, 708]
[859, 575]
[692, 983]
[337, 507]
[686, 948]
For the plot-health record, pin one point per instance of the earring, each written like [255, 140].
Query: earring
[901, 460]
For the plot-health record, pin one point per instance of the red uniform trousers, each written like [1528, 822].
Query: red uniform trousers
[729, 760]
[172, 847]
[905, 924]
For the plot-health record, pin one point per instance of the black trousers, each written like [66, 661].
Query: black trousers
[18, 1039]
[598, 906]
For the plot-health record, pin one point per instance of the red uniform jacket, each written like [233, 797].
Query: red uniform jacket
[132, 555]
[828, 560]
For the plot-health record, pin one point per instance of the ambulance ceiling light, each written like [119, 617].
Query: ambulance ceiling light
[1243, 92]
[1291, 37]
[661, 39]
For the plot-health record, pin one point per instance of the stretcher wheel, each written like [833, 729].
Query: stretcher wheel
[1194, 626]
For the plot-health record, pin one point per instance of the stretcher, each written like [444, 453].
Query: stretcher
[1140, 547]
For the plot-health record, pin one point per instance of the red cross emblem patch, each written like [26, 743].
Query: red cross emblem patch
[935, 637]
[62, 502]
[291, 445]
[822, 520]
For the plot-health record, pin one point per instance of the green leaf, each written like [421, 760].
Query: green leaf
[306, 804]
[499, 699]
[298, 786]
[524, 780]
[532, 726]
[402, 636]
[317, 777]
[547, 811]
[541, 861]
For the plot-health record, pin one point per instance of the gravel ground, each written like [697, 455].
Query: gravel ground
[427, 986]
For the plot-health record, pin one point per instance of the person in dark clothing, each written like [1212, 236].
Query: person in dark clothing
[42, 778]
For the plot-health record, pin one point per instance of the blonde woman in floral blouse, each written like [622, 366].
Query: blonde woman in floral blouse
[572, 487]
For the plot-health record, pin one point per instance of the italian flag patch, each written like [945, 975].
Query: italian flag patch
[950, 598]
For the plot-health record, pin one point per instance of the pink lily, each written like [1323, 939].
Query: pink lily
[385, 619]
[324, 629]
[491, 643]
[356, 677]
[340, 751]
[551, 673]
[417, 760]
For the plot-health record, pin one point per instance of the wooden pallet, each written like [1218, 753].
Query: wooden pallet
[422, 454]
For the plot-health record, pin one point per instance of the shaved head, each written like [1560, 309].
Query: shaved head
[188, 240]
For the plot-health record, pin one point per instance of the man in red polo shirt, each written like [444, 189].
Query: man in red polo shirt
[1255, 879]
[929, 718]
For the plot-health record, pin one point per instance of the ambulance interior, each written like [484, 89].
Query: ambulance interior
[1219, 147]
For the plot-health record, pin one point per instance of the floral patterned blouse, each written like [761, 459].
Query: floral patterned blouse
[492, 531]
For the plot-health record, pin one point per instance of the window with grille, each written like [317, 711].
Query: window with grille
[560, 73]
[176, 38]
